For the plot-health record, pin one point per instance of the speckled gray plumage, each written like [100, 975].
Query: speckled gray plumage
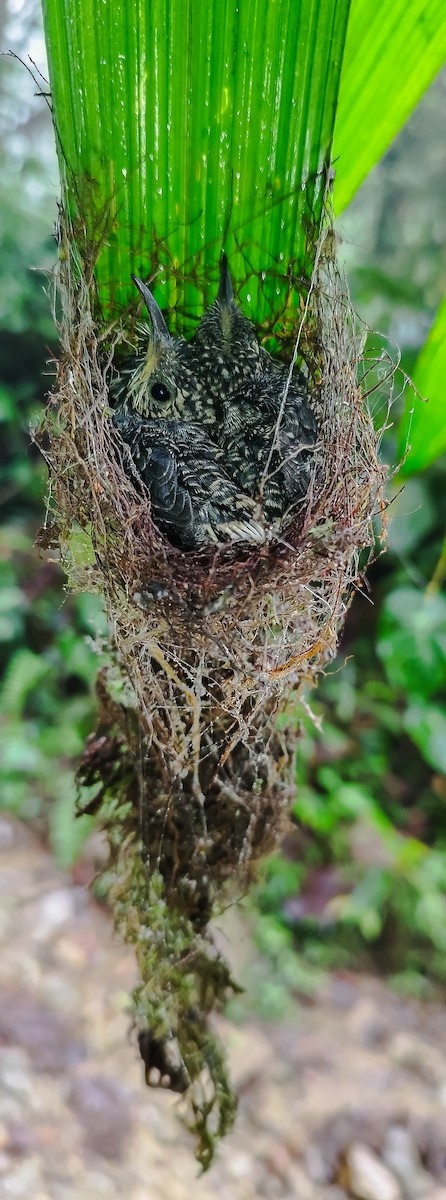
[269, 451]
[193, 499]
[217, 433]
[265, 424]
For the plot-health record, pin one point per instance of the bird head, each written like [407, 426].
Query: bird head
[157, 382]
[224, 350]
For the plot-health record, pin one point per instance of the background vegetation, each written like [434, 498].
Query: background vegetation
[362, 881]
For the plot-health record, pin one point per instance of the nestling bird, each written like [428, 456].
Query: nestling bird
[159, 382]
[266, 427]
[166, 417]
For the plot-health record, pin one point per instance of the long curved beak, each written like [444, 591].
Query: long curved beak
[160, 329]
[225, 294]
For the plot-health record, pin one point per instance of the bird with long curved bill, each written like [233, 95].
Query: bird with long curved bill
[166, 418]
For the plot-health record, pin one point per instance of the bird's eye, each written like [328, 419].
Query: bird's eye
[160, 392]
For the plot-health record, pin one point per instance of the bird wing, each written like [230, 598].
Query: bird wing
[190, 490]
[171, 501]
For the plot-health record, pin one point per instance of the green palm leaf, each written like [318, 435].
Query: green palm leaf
[422, 431]
[392, 54]
[186, 125]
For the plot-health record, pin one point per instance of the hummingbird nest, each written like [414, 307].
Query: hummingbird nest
[190, 768]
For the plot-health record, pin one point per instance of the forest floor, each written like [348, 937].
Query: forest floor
[345, 1097]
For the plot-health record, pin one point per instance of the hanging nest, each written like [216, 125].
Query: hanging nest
[189, 767]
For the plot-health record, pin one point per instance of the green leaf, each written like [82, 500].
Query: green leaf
[77, 656]
[68, 833]
[7, 406]
[430, 916]
[422, 431]
[313, 811]
[393, 52]
[11, 599]
[185, 126]
[20, 753]
[80, 546]
[13, 602]
[426, 725]
[410, 854]
[365, 906]
[412, 515]
[352, 801]
[412, 641]
[24, 673]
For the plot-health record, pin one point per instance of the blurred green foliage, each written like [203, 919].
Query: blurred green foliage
[47, 665]
[364, 877]
[47, 690]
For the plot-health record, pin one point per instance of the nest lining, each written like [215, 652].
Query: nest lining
[189, 771]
